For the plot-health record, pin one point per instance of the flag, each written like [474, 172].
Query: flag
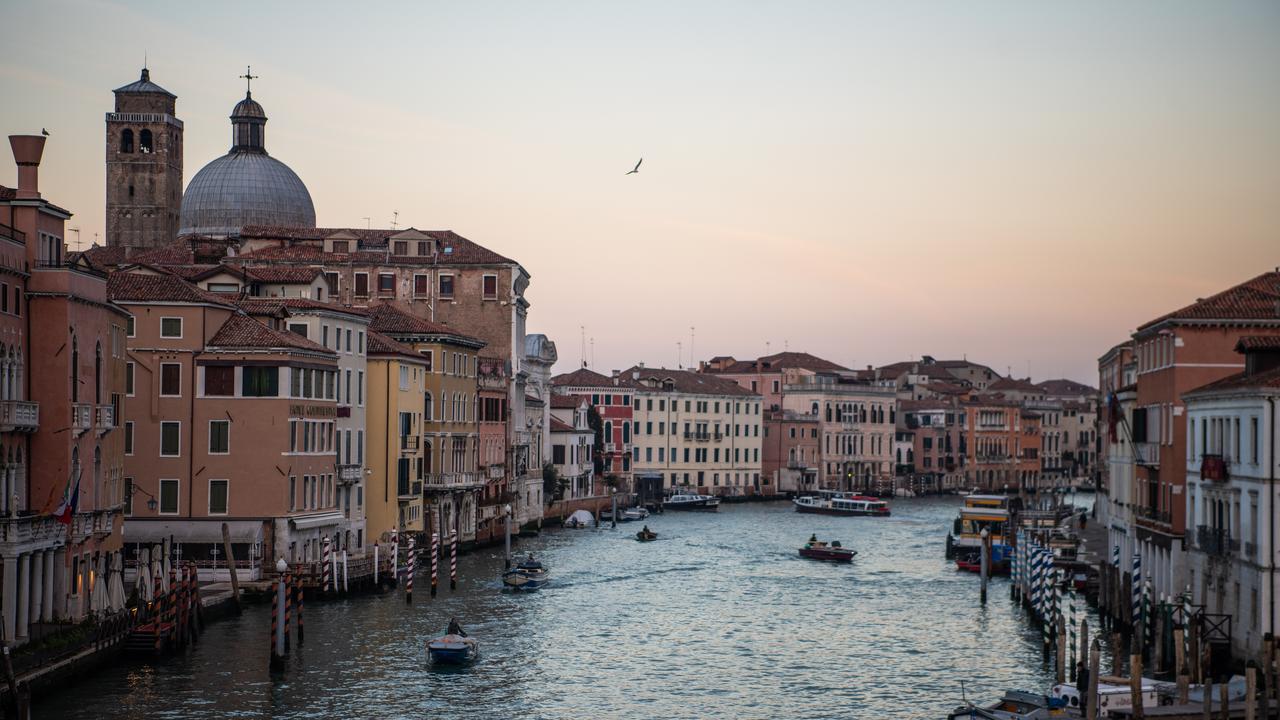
[67, 508]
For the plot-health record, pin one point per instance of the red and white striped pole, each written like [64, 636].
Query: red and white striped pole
[435, 547]
[325, 571]
[453, 561]
[395, 556]
[408, 582]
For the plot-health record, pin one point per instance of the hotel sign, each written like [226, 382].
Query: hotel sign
[313, 410]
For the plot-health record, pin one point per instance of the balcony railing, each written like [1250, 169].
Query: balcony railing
[454, 480]
[19, 415]
[1214, 467]
[1216, 541]
[348, 474]
[31, 528]
[409, 442]
[81, 417]
[406, 490]
[1148, 454]
[105, 418]
[699, 436]
[610, 447]
[1152, 515]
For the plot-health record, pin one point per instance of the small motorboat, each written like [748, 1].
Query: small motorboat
[972, 562]
[606, 515]
[455, 647]
[1015, 705]
[692, 501]
[579, 520]
[816, 549]
[527, 576]
[646, 535]
[635, 513]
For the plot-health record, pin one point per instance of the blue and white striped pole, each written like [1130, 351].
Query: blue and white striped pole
[1136, 591]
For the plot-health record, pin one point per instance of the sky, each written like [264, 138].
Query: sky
[1019, 183]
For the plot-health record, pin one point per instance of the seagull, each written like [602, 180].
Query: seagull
[46, 134]
[636, 169]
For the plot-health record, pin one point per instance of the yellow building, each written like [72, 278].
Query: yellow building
[394, 417]
[450, 432]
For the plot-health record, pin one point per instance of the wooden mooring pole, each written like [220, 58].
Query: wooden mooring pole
[231, 566]
[1135, 684]
[1091, 692]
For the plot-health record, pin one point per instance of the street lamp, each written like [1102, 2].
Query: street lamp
[152, 503]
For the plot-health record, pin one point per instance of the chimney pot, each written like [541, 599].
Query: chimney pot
[27, 151]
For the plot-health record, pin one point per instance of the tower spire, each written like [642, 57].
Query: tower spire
[249, 77]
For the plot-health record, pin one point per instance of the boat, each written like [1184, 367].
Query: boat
[1015, 705]
[692, 501]
[841, 503]
[983, 512]
[1113, 694]
[646, 535]
[606, 515]
[527, 576]
[972, 562]
[580, 519]
[455, 647]
[816, 549]
[635, 513]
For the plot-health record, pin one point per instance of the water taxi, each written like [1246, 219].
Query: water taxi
[983, 512]
[816, 549]
[692, 501]
[634, 513]
[455, 647]
[841, 503]
[527, 576]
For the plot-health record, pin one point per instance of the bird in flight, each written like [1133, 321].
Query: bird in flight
[635, 169]
[44, 132]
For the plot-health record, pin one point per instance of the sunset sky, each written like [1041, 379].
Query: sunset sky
[1021, 182]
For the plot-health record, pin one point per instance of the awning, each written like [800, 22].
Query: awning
[315, 521]
[191, 531]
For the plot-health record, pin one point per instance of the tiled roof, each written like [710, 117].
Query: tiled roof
[453, 249]
[380, 344]
[582, 377]
[684, 381]
[917, 405]
[898, 369]
[103, 256]
[565, 402]
[188, 272]
[775, 363]
[268, 305]
[1242, 381]
[531, 400]
[388, 319]
[7, 193]
[1253, 343]
[1255, 299]
[1063, 386]
[1013, 384]
[137, 287]
[557, 425]
[288, 275]
[946, 388]
[242, 331]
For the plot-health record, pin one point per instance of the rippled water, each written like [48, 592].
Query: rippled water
[717, 618]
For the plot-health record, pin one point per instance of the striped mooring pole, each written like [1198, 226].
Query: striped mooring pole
[453, 561]
[435, 558]
[297, 602]
[395, 556]
[408, 581]
[1136, 592]
[1071, 625]
[325, 570]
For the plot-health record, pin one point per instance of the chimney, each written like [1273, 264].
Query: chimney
[616, 372]
[27, 150]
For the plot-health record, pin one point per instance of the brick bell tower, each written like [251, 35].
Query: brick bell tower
[144, 166]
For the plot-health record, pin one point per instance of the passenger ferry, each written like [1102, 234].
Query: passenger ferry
[989, 512]
[841, 503]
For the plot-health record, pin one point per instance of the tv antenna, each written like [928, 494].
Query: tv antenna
[395, 214]
[76, 230]
[367, 223]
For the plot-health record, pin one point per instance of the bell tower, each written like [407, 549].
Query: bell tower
[144, 166]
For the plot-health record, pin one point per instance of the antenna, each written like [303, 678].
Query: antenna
[367, 223]
[692, 362]
[593, 352]
[395, 219]
[582, 346]
[76, 230]
[679, 355]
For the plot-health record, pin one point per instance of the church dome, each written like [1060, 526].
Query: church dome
[246, 186]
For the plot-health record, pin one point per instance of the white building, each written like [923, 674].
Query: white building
[573, 446]
[1232, 510]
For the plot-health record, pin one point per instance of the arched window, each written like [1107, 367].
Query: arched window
[144, 142]
[5, 374]
[626, 432]
[126, 141]
[815, 407]
[426, 408]
[427, 457]
[608, 432]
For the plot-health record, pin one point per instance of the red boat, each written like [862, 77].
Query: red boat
[818, 550]
[973, 564]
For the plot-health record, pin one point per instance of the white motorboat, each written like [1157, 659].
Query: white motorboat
[635, 513]
[692, 501]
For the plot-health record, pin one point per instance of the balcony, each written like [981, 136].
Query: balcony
[104, 419]
[349, 474]
[1151, 517]
[454, 481]
[1147, 454]
[610, 447]
[32, 529]
[19, 415]
[796, 465]
[406, 490]
[522, 437]
[699, 436]
[81, 417]
[717, 437]
[410, 443]
[496, 471]
[344, 411]
[1214, 467]
[1216, 541]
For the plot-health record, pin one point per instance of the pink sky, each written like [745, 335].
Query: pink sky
[1021, 183]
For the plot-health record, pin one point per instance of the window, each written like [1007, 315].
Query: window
[128, 496]
[360, 388]
[446, 286]
[490, 287]
[168, 497]
[260, 382]
[298, 329]
[229, 288]
[419, 285]
[341, 246]
[429, 357]
[220, 380]
[145, 142]
[128, 378]
[386, 284]
[219, 437]
[400, 247]
[217, 497]
[170, 438]
[129, 328]
[362, 285]
[170, 379]
[324, 335]
[128, 437]
[404, 378]
[126, 140]
[170, 327]
[360, 347]
[331, 279]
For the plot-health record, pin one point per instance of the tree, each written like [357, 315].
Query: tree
[597, 428]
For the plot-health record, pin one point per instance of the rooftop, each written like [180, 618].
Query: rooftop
[139, 287]
[390, 320]
[1254, 299]
[242, 331]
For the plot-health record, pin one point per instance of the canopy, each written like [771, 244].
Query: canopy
[191, 531]
[581, 517]
[315, 521]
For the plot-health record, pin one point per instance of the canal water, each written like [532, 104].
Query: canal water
[717, 618]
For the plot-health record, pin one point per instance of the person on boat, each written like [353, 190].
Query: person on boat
[646, 531]
[813, 538]
[1082, 682]
[455, 628]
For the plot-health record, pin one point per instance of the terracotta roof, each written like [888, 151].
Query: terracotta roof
[1255, 299]
[268, 305]
[1253, 343]
[1013, 384]
[104, 256]
[774, 363]
[453, 249]
[898, 369]
[137, 287]
[557, 425]
[380, 344]
[8, 193]
[917, 405]
[242, 331]
[947, 388]
[1063, 386]
[289, 275]
[388, 319]
[188, 272]
[582, 377]
[534, 400]
[565, 402]
[684, 381]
